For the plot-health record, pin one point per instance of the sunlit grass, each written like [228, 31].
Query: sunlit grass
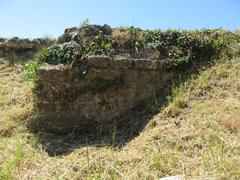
[195, 135]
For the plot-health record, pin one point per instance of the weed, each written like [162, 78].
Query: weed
[8, 168]
[178, 98]
[30, 71]
[56, 54]
[85, 22]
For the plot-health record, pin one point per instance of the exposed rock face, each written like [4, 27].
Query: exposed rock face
[2, 39]
[94, 91]
[95, 30]
[87, 90]
[22, 47]
[84, 32]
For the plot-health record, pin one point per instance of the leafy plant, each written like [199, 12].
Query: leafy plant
[60, 53]
[100, 45]
[180, 47]
[85, 22]
[30, 71]
[176, 63]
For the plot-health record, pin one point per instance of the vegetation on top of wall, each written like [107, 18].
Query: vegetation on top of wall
[178, 46]
[85, 22]
[62, 53]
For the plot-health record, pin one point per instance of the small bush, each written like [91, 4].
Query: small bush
[6, 170]
[85, 22]
[99, 45]
[60, 53]
[30, 71]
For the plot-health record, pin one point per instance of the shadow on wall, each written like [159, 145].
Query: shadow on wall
[117, 133]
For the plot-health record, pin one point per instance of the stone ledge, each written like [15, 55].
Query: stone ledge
[94, 91]
[105, 62]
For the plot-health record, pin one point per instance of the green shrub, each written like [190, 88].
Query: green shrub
[85, 22]
[99, 45]
[60, 53]
[180, 47]
[30, 71]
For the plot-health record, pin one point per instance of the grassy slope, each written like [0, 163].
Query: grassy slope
[196, 135]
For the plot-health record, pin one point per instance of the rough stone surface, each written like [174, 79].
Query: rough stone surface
[94, 91]
[84, 32]
[95, 30]
[22, 47]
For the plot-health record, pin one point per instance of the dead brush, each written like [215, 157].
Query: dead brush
[127, 38]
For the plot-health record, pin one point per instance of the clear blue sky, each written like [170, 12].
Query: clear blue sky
[37, 18]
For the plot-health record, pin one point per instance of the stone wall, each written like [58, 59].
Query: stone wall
[94, 91]
[22, 48]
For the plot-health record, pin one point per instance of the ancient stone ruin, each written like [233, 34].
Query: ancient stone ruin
[95, 74]
[22, 48]
[95, 91]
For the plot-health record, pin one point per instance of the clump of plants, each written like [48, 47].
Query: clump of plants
[99, 45]
[128, 37]
[60, 53]
[30, 71]
[181, 48]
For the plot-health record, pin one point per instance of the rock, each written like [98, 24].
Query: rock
[23, 48]
[94, 91]
[13, 40]
[69, 35]
[76, 34]
[42, 41]
[37, 41]
[2, 40]
[93, 30]
[107, 29]
[71, 30]
[26, 41]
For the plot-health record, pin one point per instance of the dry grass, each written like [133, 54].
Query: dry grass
[123, 37]
[196, 135]
[15, 98]
[237, 31]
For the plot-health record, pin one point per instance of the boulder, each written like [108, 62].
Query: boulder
[93, 30]
[85, 32]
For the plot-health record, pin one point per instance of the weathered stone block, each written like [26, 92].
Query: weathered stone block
[99, 61]
[145, 64]
[122, 63]
[108, 88]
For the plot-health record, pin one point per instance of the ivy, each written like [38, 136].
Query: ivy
[180, 47]
[63, 53]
